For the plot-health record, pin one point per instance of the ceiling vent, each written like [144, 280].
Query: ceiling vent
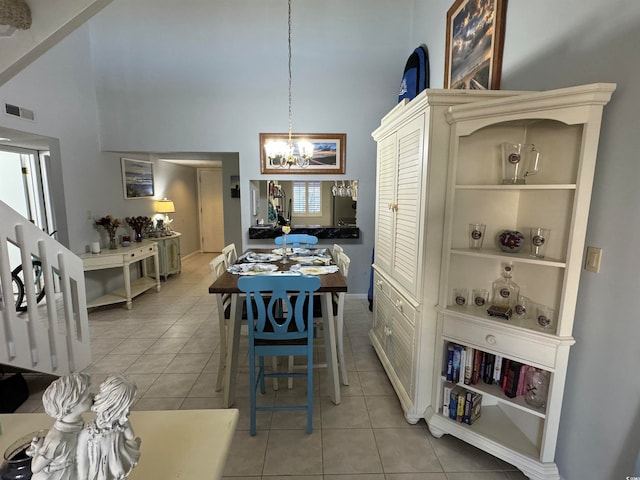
[18, 111]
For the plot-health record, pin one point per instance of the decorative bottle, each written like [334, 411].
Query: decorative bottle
[537, 387]
[505, 290]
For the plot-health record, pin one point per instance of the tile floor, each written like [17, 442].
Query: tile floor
[168, 343]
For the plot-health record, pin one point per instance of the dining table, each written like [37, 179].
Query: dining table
[331, 283]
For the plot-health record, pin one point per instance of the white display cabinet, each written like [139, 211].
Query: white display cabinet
[564, 125]
[412, 156]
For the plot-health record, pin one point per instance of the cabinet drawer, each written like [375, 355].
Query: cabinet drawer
[517, 347]
[402, 305]
[142, 252]
[382, 286]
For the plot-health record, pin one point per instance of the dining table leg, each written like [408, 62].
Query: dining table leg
[331, 353]
[233, 346]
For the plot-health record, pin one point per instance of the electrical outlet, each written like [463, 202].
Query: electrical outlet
[594, 257]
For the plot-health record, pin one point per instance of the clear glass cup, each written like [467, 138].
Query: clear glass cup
[546, 317]
[460, 296]
[476, 235]
[539, 238]
[523, 307]
[480, 297]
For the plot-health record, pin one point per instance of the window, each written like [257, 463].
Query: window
[307, 200]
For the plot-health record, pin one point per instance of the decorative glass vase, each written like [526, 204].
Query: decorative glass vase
[17, 464]
[284, 260]
[537, 387]
[113, 241]
[138, 236]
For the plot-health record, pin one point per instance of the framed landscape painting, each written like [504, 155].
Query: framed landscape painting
[137, 178]
[475, 41]
[329, 153]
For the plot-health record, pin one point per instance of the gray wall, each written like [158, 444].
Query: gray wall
[551, 44]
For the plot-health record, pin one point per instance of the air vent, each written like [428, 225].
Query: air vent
[18, 111]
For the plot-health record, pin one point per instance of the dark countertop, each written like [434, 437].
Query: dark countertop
[258, 232]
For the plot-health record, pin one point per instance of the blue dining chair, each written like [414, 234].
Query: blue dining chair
[279, 326]
[298, 240]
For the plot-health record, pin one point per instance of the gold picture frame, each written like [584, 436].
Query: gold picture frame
[329, 153]
[475, 42]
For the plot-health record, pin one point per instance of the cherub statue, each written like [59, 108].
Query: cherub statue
[54, 456]
[107, 446]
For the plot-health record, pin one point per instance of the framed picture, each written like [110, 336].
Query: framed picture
[475, 40]
[137, 178]
[329, 152]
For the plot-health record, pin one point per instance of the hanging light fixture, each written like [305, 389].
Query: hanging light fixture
[284, 154]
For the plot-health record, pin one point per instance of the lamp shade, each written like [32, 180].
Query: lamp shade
[165, 206]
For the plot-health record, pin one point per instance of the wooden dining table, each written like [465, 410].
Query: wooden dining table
[331, 283]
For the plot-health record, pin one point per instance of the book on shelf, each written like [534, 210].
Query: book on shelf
[457, 353]
[446, 398]
[468, 367]
[453, 401]
[497, 370]
[513, 379]
[477, 362]
[462, 396]
[488, 368]
[473, 401]
[449, 374]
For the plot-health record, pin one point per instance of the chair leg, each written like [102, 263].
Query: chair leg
[252, 391]
[261, 375]
[310, 389]
[340, 338]
[290, 370]
[223, 355]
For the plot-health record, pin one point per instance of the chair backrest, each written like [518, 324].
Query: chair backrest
[337, 249]
[298, 240]
[230, 253]
[343, 264]
[218, 266]
[274, 315]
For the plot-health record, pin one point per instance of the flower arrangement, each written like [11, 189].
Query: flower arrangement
[139, 224]
[286, 229]
[110, 224]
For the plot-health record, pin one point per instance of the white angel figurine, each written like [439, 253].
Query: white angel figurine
[54, 456]
[107, 447]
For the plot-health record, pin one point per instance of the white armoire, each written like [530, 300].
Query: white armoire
[440, 170]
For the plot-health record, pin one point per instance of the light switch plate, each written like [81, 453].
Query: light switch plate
[594, 257]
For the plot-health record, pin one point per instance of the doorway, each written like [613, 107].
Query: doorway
[211, 209]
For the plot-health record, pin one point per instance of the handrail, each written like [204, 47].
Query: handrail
[53, 336]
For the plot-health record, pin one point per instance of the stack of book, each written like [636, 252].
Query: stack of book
[471, 366]
[461, 404]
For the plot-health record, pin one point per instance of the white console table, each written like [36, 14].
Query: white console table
[176, 444]
[124, 257]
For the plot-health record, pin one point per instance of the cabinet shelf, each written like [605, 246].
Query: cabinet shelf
[493, 425]
[517, 257]
[496, 393]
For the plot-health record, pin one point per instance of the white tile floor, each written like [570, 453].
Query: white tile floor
[168, 343]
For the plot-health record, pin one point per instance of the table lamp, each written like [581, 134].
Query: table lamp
[165, 206]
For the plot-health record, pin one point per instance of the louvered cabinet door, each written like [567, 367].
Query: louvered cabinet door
[386, 181]
[407, 204]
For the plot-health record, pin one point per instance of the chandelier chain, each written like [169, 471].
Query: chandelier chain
[289, 44]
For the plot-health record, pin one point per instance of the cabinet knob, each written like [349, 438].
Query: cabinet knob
[387, 331]
[491, 339]
[399, 305]
[379, 283]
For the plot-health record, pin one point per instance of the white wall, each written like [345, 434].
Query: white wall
[210, 76]
[551, 44]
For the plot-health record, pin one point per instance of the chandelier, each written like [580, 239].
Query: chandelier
[286, 154]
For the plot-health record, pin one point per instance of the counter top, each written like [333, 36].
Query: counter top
[258, 232]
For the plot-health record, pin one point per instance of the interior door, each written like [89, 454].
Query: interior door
[211, 209]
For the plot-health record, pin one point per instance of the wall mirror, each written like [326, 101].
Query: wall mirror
[304, 202]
